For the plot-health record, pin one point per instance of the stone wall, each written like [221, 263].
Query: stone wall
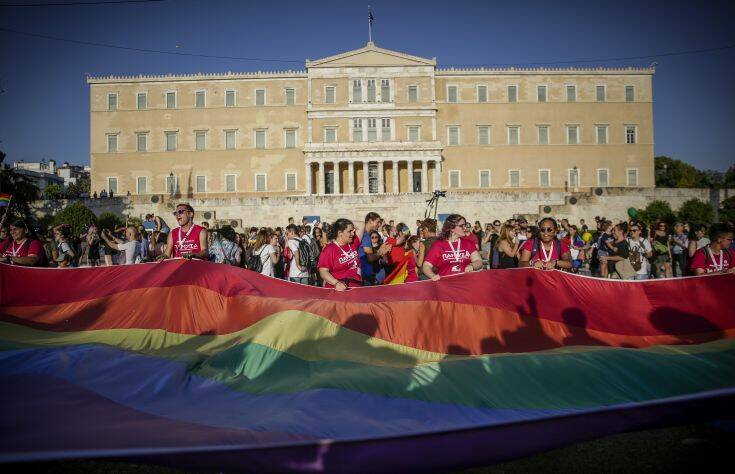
[273, 211]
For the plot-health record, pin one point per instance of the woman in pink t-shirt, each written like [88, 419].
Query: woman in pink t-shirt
[452, 252]
[339, 262]
[545, 252]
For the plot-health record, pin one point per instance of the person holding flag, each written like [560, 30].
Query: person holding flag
[453, 252]
[189, 240]
[22, 249]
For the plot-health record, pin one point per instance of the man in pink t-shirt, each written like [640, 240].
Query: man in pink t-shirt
[716, 256]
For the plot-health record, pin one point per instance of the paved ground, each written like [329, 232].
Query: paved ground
[693, 448]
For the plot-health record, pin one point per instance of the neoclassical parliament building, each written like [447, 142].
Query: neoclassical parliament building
[372, 121]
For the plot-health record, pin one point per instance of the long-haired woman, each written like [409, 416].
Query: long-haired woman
[267, 249]
[453, 252]
[507, 247]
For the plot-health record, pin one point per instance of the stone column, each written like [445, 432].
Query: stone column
[337, 178]
[424, 176]
[321, 178]
[365, 179]
[350, 188]
[410, 176]
[395, 178]
[437, 174]
[307, 178]
[381, 184]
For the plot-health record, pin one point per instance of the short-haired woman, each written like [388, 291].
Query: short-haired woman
[546, 252]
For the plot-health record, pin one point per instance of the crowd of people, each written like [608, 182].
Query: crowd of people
[343, 255]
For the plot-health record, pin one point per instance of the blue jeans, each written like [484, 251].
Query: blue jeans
[303, 281]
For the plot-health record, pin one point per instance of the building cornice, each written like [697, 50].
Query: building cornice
[333, 61]
[377, 148]
[515, 71]
[198, 77]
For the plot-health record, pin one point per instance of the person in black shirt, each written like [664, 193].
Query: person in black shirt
[619, 249]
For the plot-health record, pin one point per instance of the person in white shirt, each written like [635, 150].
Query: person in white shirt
[130, 247]
[267, 249]
[636, 243]
[296, 272]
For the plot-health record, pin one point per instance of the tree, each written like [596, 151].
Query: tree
[77, 215]
[109, 220]
[672, 173]
[727, 210]
[83, 185]
[728, 180]
[657, 211]
[52, 191]
[21, 188]
[696, 212]
[134, 221]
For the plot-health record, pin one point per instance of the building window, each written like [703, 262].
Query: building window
[230, 139]
[112, 143]
[142, 100]
[200, 139]
[455, 178]
[259, 96]
[452, 94]
[112, 185]
[481, 93]
[329, 95]
[330, 134]
[171, 141]
[371, 90]
[290, 96]
[229, 98]
[571, 93]
[574, 178]
[414, 133]
[544, 178]
[413, 94]
[514, 135]
[199, 99]
[630, 134]
[112, 101]
[543, 134]
[572, 134]
[600, 93]
[385, 130]
[372, 129]
[514, 176]
[290, 138]
[484, 178]
[142, 183]
[483, 135]
[601, 134]
[142, 141]
[201, 184]
[385, 90]
[170, 100]
[632, 176]
[260, 139]
[603, 178]
[290, 181]
[230, 183]
[172, 184]
[357, 130]
[629, 93]
[453, 136]
[260, 182]
[512, 93]
[541, 93]
[357, 90]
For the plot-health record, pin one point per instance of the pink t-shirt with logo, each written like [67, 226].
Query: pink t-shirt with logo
[528, 245]
[24, 249]
[343, 262]
[711, 263]
[451, 258]
[186, 242]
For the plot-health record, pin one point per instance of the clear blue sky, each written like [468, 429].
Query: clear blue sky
[44, 109]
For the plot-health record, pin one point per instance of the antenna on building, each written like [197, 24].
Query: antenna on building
[370, 24]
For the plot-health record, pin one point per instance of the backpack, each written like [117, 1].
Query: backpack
[634, 255]
[315, 251]
[537, 242]
[255, 262]
[495, 259]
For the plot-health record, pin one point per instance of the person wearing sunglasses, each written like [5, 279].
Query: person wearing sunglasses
[642, 246]
[453, 252]
[188, 240]
[715, 257]
[546, 252]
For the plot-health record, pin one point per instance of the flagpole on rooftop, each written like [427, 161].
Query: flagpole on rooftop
[370, 25]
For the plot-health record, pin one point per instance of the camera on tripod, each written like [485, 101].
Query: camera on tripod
[438, 193]
[433, 203]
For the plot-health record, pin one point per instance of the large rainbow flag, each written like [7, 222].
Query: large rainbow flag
[214, 367]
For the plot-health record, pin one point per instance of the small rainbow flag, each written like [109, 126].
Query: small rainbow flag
[197, 364]
[5, 199]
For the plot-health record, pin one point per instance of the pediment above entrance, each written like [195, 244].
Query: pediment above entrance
[371, 55]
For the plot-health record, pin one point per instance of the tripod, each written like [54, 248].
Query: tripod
[432, 205]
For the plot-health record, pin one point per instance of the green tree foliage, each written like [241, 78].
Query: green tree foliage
[671, 173]
[728, 180]
[77, 215]
[109, 220]
[727, 210]
[23, 191]
[657, 211]
[52, 191]
[696, 212]
[135, 221]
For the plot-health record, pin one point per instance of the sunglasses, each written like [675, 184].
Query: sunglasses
[547, 229]
[635, 230]
[179, 212]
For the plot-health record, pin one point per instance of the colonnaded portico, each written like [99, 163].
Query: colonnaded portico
[378, 168]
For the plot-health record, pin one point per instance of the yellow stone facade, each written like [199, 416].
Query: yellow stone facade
[371, 121]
